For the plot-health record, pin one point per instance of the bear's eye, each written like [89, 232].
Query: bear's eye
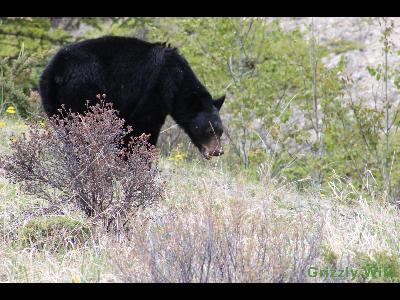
[210, 131]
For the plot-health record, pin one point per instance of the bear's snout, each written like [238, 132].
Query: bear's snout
[218, 152]
[213, 148]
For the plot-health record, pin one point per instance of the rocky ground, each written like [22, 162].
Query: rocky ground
[358, 40]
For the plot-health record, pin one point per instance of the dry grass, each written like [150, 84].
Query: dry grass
[219, 229]
[213, 226]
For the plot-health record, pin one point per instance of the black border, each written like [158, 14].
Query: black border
[198, 8]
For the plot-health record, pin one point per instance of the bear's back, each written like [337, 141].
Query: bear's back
[110, 48]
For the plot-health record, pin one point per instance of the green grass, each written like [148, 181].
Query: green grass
[10, 127]
[340, 46]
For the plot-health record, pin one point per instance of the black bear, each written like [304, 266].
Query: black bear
[145, 82]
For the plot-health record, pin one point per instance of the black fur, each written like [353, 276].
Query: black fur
[145, 81]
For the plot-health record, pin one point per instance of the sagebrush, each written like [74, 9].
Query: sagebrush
[81, 161]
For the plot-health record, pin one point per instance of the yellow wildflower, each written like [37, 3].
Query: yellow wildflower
[22, 125]
[11, 110]
[178, 156]
[2, 124]
[75, 279]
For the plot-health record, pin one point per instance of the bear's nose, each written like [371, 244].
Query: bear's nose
[218, 152]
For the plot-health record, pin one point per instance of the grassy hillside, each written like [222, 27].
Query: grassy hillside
[213, 225]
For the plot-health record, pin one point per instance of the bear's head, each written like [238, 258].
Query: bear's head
[205, 127]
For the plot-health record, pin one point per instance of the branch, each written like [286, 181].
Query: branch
[32, 36]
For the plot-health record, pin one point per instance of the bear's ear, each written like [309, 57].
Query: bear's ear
[218, 103]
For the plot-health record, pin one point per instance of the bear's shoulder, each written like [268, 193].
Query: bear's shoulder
[109, 42]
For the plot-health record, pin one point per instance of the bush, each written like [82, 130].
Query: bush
[58, 232]
[17, 78]
[380, 266]
[81, 161]
[208, 237]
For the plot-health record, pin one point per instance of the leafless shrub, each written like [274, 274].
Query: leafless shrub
[229, 242]
[81, 161]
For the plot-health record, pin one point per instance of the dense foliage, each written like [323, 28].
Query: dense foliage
[286, 113]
